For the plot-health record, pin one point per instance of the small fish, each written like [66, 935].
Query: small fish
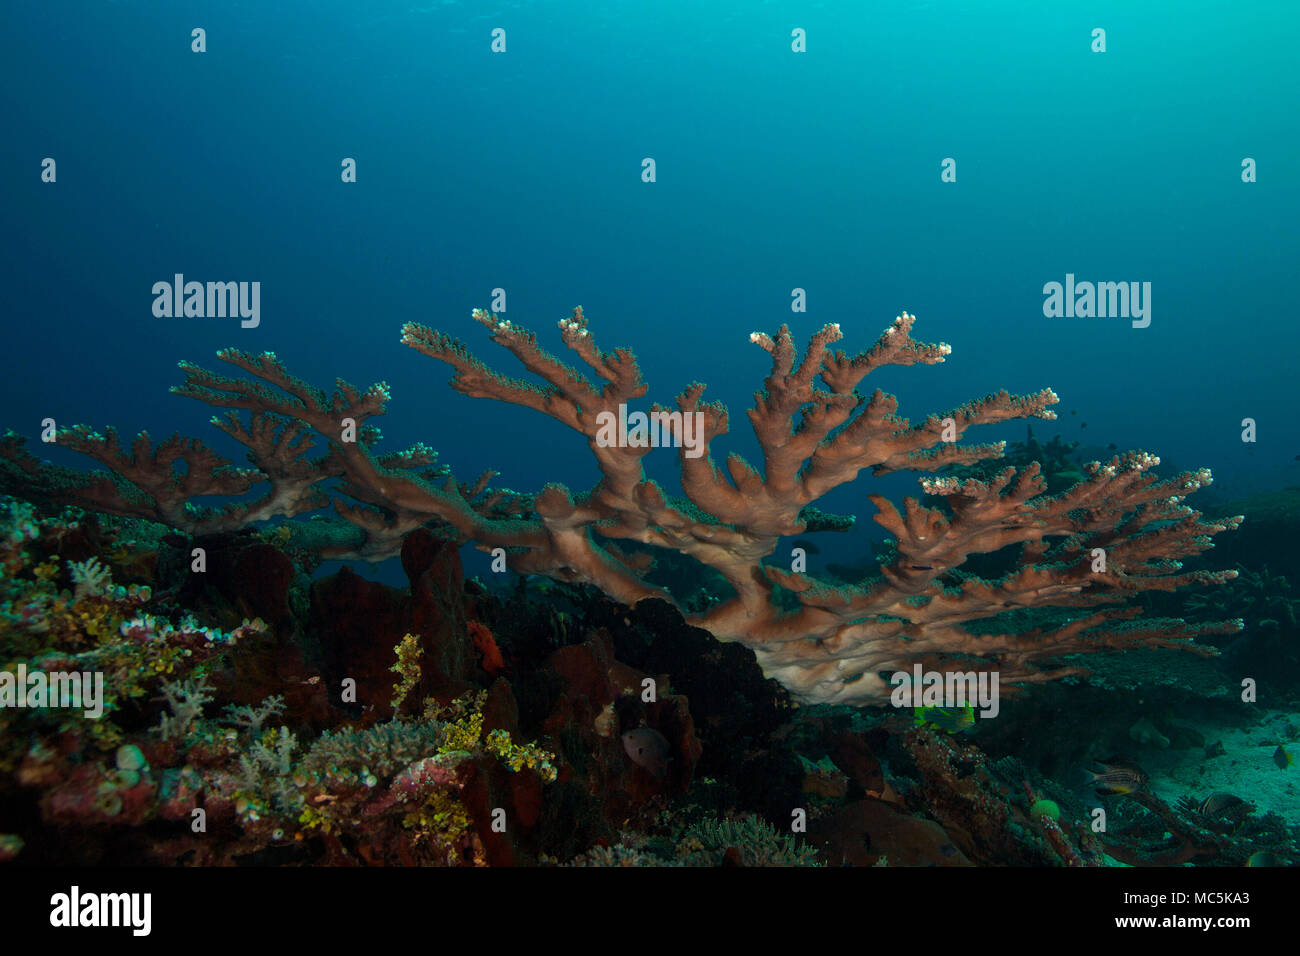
[951, 720]
[1117, 776]
[649, 749]
[1217, 802]
[923, 567]
[1282, 757]
[1264, 858]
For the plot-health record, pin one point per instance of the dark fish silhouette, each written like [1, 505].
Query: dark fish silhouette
[1214, 805]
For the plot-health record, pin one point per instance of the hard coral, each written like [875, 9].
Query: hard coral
[1088, 549]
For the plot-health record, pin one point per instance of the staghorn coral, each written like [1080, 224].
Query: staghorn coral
[619, 856]
[746, 841]
[251, 719]
[709, 842]
[264, 780]
[826, 642]
[380, 751]
[185, 700]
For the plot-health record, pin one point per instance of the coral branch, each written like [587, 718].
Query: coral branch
[1118, 532]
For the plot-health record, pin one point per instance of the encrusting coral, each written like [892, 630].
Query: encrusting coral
[1118, 532]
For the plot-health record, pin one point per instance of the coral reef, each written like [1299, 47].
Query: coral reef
[212, 751]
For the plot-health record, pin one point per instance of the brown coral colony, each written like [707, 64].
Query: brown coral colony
[1118, 532]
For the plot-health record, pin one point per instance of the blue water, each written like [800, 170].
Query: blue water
[776, 170]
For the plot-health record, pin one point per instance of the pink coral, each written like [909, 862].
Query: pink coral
[816, 431]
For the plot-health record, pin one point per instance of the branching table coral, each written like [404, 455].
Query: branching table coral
[831, 642]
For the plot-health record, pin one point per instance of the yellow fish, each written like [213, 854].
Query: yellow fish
[951, 720]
